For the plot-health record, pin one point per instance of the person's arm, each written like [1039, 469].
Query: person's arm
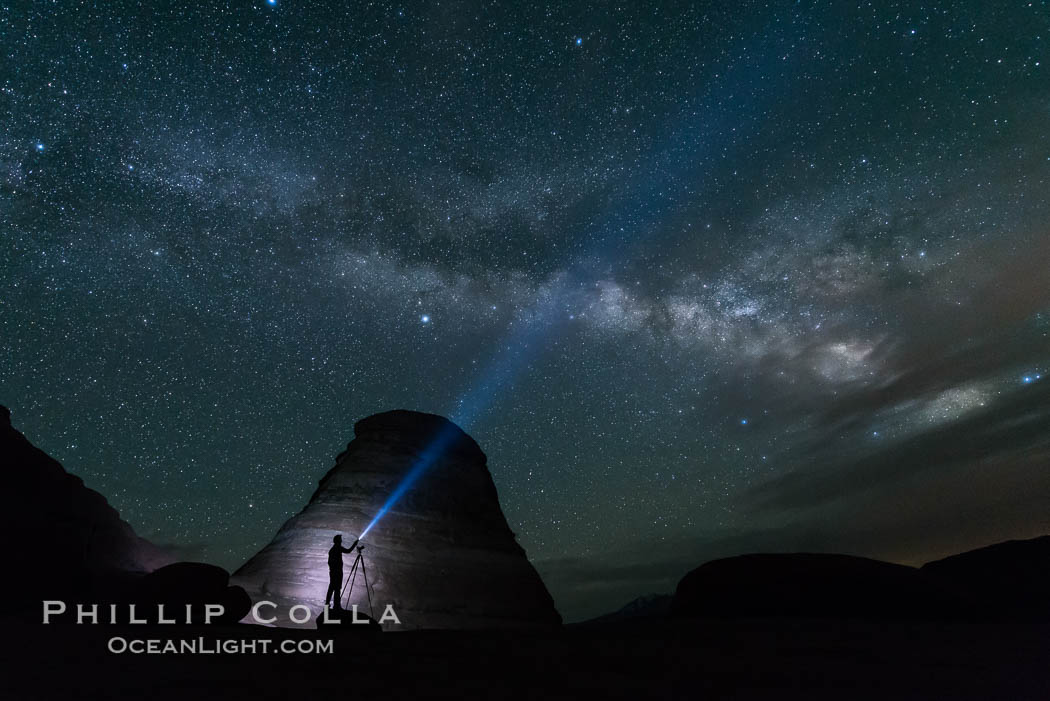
[351, 548]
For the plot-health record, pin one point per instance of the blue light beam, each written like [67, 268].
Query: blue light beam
[499, 373]
[664, 195]
[429, 456]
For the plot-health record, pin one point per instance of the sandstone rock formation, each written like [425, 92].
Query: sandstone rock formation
[60, 539]
[442, 556]
[1006, 580]
[812, 585]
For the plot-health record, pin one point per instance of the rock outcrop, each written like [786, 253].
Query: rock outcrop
[1006, 580]
[812, 585]
[61, 540]
[443, 555]
[186, 589]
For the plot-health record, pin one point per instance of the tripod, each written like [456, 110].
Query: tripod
[359, 561]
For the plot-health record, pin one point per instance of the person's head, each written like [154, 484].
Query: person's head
[337, 539]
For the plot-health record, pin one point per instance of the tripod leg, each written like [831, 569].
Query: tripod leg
[368, 591]
[353, 573]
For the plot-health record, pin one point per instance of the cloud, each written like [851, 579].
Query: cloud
[1018, 424]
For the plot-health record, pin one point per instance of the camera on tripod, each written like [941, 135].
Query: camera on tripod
[359, 563]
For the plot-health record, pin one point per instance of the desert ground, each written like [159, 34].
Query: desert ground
[756, 658]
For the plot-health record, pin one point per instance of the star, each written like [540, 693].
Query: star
[707, 219]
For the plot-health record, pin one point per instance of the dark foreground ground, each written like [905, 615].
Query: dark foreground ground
[749, 659]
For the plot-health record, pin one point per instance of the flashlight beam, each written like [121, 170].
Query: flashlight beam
[663, 194]
[428, 457]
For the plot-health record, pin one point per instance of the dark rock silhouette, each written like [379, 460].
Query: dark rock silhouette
[61, 539]
[442, 557]
[812, 585]
[1010, 579]
[195, 584]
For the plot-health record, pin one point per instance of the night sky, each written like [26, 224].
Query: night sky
[700, 278]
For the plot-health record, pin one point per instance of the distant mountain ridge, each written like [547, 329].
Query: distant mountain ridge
[650, 606]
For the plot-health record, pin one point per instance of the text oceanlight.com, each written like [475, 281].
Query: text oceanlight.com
[203, 646]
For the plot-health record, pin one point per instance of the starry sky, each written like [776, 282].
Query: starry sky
[700, 278]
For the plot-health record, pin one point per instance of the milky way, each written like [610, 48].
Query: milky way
[699, 279]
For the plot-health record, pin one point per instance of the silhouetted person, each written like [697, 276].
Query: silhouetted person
[335, 570]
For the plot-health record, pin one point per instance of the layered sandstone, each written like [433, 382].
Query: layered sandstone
[443, 555]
